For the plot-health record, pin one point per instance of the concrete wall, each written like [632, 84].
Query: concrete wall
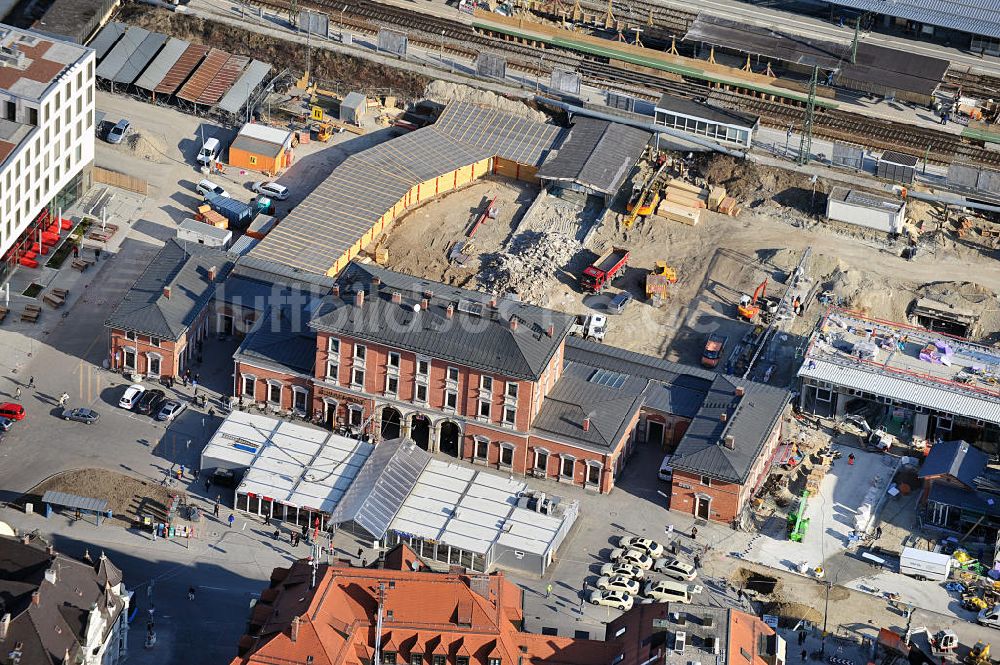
[884, 220]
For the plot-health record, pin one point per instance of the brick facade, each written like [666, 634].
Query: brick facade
[136, 352]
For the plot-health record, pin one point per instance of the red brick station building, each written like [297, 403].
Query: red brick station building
[489, 380]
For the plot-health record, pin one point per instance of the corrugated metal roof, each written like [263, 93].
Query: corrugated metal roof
[121, 52]
[181, 69]
[234, 100]
[939, 398]
[202, 77]
[502, 134]
[977, 17]
[256, 146]
[243, 245]
[162, 63]
[596, 154]
[107, 38]
[282, 339]
[137, 62]
[74, 501]
[267, 133]
[224, 80]
[381, 487]
[954, 458]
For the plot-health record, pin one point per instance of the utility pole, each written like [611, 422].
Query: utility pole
[805, 145]
[854, 43]
[293, 12]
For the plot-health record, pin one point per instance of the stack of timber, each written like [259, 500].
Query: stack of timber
[683, 202]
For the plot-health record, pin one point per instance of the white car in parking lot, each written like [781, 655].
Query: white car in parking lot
[650, 547]
[622, 569]
[271, 190]
[669, 591]
[616, 599]
[676, 568]
[619, 583]
[634, 557]
[131, 396]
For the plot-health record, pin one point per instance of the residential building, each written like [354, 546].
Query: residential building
[158, 327]
[960, 491]
[46, 134]
[680, 634]
[933, 385]
[402, 613]
[487, 380]
[58, 609]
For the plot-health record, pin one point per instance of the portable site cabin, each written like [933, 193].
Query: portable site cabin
[352, 109]
[261, 148]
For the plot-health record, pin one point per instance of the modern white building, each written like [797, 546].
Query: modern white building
[46, 132]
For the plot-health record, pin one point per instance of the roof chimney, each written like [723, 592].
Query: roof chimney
[294, 636]
[723, 417]
[359, 298]
[513, 323]
[740, 392]
[51, 551]
[450, 311]
[166, 292]
[586, 424]
[425, 304]
[428, 294]
[212, 273]
[376, 283]
[50, 575]
[4, 625]
[336, 290]
[493, 302]
[397, 297]
[25, 539]
[728, 441]
[36, 598]
[551, 330]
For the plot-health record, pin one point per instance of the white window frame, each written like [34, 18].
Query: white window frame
[333, 369]
[154, 341]
[508, 447]
[355, 383]
[427, 371]
[538, 453]
[130, 335]
[451, 408]
[487, 405]
[563, 459]
[299, 390]
[509, 415]
[149, 364]
[392, 361]
[355, 415]
[333, 346]
[481, 448]
[416, 393]
[135, 357]
[243, 387]
[360, 358]
[706, 481]
[389, 380]
[448, 376]
[593, 465]
[485, 384]
[271, 384]
[511, 390]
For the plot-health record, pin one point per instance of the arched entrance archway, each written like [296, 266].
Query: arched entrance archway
[391, 423]
[450, 439]
[420, 430]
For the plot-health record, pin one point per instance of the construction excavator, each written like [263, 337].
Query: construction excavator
[750, 308]
[979, 654]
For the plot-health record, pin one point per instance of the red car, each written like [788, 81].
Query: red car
[12, 410]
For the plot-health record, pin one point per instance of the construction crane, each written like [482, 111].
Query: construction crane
[797, 520]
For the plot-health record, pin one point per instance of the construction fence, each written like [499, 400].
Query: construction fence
[120, 180]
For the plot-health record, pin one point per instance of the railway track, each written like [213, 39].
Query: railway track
[432, 31]
[981, 86]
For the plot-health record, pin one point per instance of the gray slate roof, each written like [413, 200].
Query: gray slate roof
[381, 486]
[575, 398]
[749, 420]
[968, 500]
[58, 622]
[483, 342]
[146, 310]
[596, 154]
[957, 459]
[977, 17]
[281, 339]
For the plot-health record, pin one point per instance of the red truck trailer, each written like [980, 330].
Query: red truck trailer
[602, 271]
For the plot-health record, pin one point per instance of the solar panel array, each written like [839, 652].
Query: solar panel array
[608, 379]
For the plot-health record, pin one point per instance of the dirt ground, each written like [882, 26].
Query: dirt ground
[327, 66]
[127, 497]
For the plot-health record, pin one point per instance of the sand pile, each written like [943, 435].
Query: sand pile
[444, 92]
[148, 146]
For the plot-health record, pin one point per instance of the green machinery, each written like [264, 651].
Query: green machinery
[797, 520]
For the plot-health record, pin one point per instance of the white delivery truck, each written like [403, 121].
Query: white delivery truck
[925, 565]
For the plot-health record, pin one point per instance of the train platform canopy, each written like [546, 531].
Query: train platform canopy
[700, 111]
[595, 156]
[234, 100]
[324, 232]
[876, 69]
[162, 63]
[976, 17]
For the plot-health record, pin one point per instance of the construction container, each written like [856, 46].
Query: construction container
[353, 108]
[237, 213]
[193, 231]
[871, 211]
[261, 148]
[896, 166]
[261, 226]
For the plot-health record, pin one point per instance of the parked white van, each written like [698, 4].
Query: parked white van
[206, 187]
[668, 591]
[209, 152]
[666, 472]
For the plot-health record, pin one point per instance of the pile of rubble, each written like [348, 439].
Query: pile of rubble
[445, 92]
[528, 266]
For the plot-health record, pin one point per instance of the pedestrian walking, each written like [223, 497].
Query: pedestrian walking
[63, 399]
[97, 253]
[31, 383]
[694, 533]
[190, 593]
[850, 459]
[76, 251]
[184, 380]
[548, 589]
[804, 654]
[232, 518]
[215, 510]
[208, 483]
[697, 561]
[17, 393]
[277, 534]
[197, 377]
